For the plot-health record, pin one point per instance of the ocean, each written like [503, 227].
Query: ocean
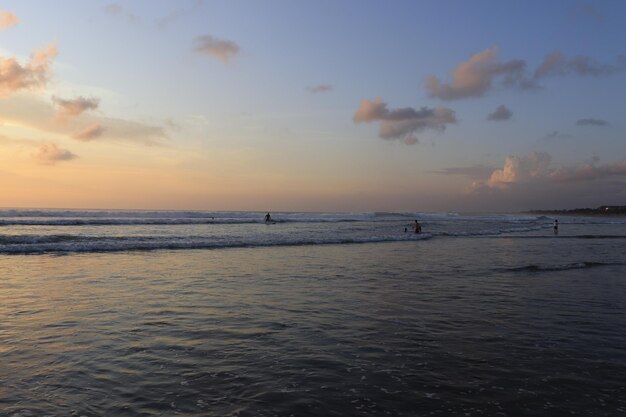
[187, 313]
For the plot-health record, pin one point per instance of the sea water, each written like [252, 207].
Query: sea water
[127, 313]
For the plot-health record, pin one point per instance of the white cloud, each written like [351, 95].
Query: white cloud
[535, 168]
[520, 169]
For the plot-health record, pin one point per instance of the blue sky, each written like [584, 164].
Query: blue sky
[326, 105]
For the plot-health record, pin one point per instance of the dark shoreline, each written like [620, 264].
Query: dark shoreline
[609, 211]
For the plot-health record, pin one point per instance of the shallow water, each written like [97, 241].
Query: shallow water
[517, 323]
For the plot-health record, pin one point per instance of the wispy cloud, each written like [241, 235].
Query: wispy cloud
[116, 9]
[321, 88]
[50, 154]
[475, 172]
[556, 64]
[555, 134]
[177, 14]
[403, 123]
[91, 132]
[592, 122]
[477, 76]
[587, 10]
[34, 113]
[7, 19]
[32, 75]
[224, 50]
[74, 107]
[502, 113]
[589, 172]
[483, 72]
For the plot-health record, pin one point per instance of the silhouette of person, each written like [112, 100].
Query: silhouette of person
[556, 227]
[418, 227]
[268, 218]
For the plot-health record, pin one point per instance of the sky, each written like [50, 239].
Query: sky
[323, 105]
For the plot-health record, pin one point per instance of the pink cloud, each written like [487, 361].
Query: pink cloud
[475, 77]
[535, 168]
[404, 122]
[89, 133]
[7, 19]
[34, 74]
[589, 172]
[49, 154]
[321, 88]
[73, 108]
[556, 63]
[221, 49]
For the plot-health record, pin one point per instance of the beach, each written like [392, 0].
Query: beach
[217, 313]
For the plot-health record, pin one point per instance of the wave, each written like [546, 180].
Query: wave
[550, 268]
[109, 218]
[567, 237]
[120, 221]
[491, 232]
[29, 244]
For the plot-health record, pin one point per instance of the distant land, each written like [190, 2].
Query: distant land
[600, 211]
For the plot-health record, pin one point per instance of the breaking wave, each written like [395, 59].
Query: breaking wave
[564, 267]
[27, 244]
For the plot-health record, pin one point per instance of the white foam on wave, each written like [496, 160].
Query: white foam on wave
[81, 244]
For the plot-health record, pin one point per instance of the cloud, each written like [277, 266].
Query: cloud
[555, 134]
[500, 114]
[587, 10]
[7, 19]
[89, 133]
[321, 88]
[589, 172]
[535, 168]
[32, 75]
[556, 64]
[520, 169]
[49, 154]
[116, 9]
[113, 9]
[531, 182]
[592, 122]
[177, 14]
[221, 49]
[34, 113]
[73, 108]
[475, 172]
[404, 122]
[476, 77]
[130, 131]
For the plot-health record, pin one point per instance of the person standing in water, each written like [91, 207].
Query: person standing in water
[556, 227]
[268, 218]
[418, 227]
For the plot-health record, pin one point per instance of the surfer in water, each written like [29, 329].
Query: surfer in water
[418, 227]
[268, 218]
[556, 227]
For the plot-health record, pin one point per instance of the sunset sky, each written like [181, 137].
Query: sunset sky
[313, 105]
